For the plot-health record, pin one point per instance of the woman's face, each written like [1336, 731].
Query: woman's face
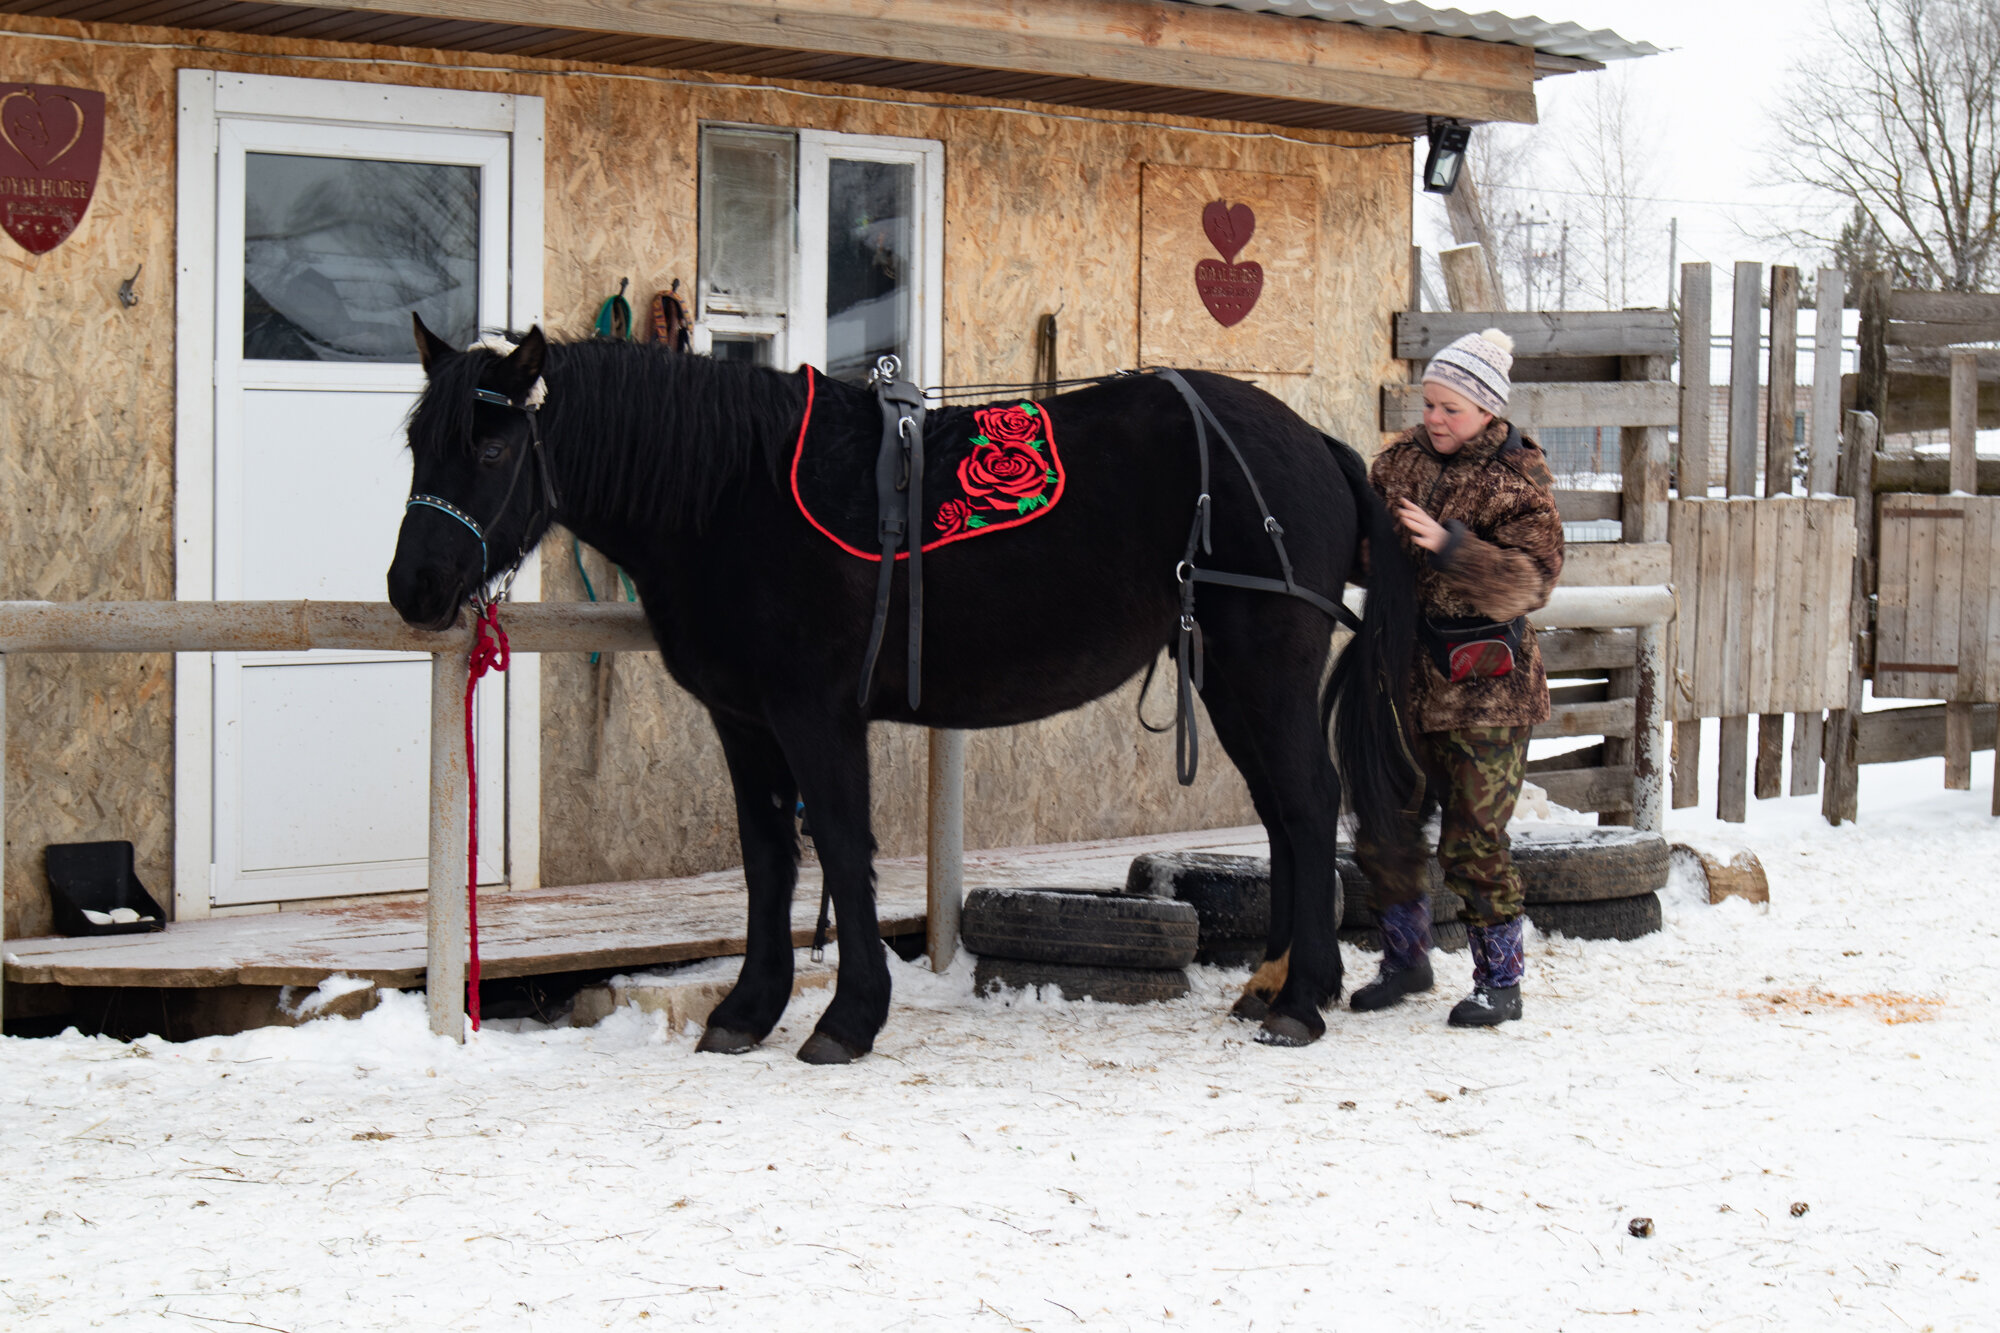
[1450, 418]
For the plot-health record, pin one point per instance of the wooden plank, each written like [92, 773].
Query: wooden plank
[1609, 718]
[1642, 452]
[1621, 564]
[1587, 649]
[1958, 747]
[1697, 314]
[1871, 383]
[1733, 770]
[1197, 49]
[1840, 800]
[1589, 789]
[1944, 610]
[1893, 735]
[1936, 362]
[1627, 403]
[1468, 279]
[1578, 692]
[1543, 333]
[1589, 506]
[1583, 757]
[1892, 599]
[1787, 576]
[1929, 476]
[1743, 346]
[1761, 571]
[1713, 650]
[1805, 603]
[1975, 593]
[1988, 577]
[1823, 442]
[1964, 423]
[1923, 402]
[1684, 537]
[1781, 396]
[1901, 334]
[1944, 308]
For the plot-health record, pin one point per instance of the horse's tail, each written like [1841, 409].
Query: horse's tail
[1368, 697]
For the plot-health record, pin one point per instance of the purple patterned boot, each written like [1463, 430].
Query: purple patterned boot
[1497, 963]
[1406, 956]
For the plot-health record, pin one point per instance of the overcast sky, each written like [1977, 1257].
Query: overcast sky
[1711, 95]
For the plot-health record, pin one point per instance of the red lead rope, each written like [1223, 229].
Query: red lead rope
[489, 653]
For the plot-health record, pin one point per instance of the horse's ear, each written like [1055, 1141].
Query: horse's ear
[523, 366]
[431, 349]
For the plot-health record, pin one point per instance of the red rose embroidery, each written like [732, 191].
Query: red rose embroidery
[951, 516]
[1000, 476]
[1008, 425]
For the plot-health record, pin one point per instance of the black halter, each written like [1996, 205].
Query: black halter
[546, 508]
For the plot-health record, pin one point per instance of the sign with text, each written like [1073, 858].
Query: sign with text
[51, 141]
[1228, 269]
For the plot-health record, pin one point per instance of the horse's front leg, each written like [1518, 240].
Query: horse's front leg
[766, 797]
[830, 756]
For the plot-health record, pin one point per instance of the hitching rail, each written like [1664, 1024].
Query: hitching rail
[583, 627]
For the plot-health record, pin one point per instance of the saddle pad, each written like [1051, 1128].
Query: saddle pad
[985, 468]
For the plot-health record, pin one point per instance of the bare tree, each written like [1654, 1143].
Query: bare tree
[1607, 152]
[1895, 118]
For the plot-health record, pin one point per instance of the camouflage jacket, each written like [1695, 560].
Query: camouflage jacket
[1501, 559]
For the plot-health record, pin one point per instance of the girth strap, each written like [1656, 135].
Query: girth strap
[899, 466]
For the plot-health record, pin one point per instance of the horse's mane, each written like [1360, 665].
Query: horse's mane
[636, 432]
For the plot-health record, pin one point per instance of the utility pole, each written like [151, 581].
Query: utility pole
[1562, 270]
[1528, 259]
[1673, 261]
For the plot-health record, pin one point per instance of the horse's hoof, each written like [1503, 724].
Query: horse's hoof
[821, 1049]
[1284, 1030]
[725, 1041]
[1250, 1008]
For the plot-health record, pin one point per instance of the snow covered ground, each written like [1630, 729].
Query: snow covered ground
[1800, 1099]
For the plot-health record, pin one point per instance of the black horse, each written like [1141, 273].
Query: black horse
[676, 467]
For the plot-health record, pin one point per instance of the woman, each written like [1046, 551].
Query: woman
[1472, 498]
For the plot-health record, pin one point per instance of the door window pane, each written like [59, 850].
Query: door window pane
[747, 197]
[338, 251]
[870, 271]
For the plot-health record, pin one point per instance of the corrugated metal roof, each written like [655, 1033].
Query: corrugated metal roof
[1558, 39]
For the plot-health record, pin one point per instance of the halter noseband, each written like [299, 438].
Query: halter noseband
[548, 502]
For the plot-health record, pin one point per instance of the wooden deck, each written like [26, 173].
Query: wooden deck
[591, 927]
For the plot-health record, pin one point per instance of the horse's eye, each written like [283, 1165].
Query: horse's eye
[492, 453]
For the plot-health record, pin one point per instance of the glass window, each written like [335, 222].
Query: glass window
[869, 273]
[747, 199]
[339, 251]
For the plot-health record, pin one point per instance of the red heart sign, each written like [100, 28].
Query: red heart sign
[1229, 228]
[1228, 290]
[51, 142]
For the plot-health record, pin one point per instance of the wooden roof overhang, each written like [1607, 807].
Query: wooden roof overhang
[1151, 56]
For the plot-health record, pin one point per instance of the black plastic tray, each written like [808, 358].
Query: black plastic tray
[98, 876]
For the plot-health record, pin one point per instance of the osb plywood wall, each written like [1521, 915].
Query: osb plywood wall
[1042, 214]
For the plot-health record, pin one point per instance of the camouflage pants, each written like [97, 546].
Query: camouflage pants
[1475, 775]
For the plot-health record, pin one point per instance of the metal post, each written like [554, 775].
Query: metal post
[944, 863]
[445, 925]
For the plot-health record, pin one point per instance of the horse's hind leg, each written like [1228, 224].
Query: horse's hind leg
[1265, 709]
[765, 800]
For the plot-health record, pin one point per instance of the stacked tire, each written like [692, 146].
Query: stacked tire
[1120, 948]
[1592, 883]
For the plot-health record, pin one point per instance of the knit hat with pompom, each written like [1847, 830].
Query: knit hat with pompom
[1477, 366]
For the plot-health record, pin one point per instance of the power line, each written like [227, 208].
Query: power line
[1648, 198]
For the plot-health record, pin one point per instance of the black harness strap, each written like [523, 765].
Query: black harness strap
[899, 466]
[1188, 650]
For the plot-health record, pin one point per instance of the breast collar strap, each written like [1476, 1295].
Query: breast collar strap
[546, 505]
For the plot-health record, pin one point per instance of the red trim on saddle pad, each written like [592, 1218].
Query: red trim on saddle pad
[1006, 473]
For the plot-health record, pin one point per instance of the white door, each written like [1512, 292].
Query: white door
[326, 237]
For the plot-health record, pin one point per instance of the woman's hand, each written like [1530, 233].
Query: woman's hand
[1424, 530]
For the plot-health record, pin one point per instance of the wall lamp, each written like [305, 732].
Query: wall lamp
[1449, 139]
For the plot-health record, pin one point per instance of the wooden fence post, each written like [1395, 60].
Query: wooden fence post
[1964, 481]
[1780, 453]
[1691, 474]
[445, 909]
[1822, 464]
[1840, 800]
[1468, 281]
[1871, 386]
[1643, 460]
[1733, 758]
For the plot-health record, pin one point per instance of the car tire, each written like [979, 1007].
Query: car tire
[1108, 985]
[1614, 919]
[1080, 927]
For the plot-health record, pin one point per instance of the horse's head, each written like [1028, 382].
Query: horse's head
[480, 491]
